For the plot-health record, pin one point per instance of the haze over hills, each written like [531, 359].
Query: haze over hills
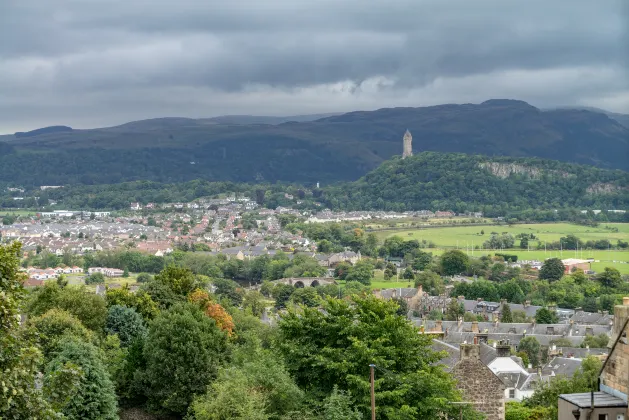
[307, 148]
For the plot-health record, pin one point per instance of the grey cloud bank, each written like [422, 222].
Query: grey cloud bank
[104, 62]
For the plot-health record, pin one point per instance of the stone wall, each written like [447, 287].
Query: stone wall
[615, 375]
[479, 384]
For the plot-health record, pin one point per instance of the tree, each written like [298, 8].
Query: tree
[55, 325]
[306, 296]
[140, 301]
[546, 316]
[453, 262]
[257, 385]
[183, 350]
[431, 282]
[281, 294]
[254, 301]
[361, 272]
[610, 277]
[144, 277]
[95, 397]
[531, 347]
[228, 289]
[505, 316]
[126, 323]
[178, 279]
[342, 269]
[519, 316]
[552, 270]
[214, 310]
[455, 310]
[595, 341]
[95, 278]
[334, 347]
[125, 273]
[408, 274]
[422, 260]
[88, 307]
[338, 406]
[524, 242]
[402, 306]
[20, 358]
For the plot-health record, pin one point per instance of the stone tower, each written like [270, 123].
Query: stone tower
[408, 144]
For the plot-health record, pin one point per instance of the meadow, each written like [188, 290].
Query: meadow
[469, 238]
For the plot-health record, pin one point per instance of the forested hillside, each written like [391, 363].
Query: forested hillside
[337, 148]
[452, 181]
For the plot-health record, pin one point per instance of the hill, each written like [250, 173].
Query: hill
[45, 130]
[334, 148]
[453, 181]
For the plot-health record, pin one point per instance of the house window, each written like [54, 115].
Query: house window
[512, 393]
[602, 417]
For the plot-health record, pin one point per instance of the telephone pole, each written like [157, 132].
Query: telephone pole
[373, 394]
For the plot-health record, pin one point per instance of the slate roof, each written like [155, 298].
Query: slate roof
[563, 366]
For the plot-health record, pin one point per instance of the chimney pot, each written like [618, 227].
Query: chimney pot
[479, 299]
[625, 301]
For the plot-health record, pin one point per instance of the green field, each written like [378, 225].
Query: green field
[467, 238]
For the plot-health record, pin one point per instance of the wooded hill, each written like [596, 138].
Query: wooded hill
[334, 148]
[453, 181]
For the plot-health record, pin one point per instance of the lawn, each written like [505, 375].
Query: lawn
[468, 237]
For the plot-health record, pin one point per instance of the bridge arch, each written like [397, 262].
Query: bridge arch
[299, 284]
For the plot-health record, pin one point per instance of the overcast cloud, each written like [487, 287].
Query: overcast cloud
[91, 63]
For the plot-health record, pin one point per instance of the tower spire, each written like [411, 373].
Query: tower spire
[407, 141]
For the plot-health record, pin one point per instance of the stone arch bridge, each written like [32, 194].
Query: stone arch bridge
[307, 281]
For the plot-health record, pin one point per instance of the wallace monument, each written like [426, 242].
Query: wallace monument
[408, 145]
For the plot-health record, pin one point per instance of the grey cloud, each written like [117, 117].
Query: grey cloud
[72, 53]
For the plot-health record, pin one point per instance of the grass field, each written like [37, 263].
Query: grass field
[17, 213]
[468, 237]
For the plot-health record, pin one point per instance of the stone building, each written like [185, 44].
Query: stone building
[479, 384]
[408, 144]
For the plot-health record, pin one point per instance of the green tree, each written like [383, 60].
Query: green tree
[144, 277]
[342, 269]
[453, 262]
[338, 406]
[408, 274]
[126, 323]
[254, 301]
[519, 316]
[552, 270]
[95, 278]
[306, 296]
[595, 341]
[281, 294]
[55, 325]
[89, 308]
[20, 358]
[431, 282]
[505, 315]
[524, 242]
[178, 279]
[256, 384]
[361, 272]
[532, 348]
[95, 397]
[402, 307]
[422, 260]
[183, 351]
[455, 310]
[334, 347]
[228, 289]
[546, 316]
[140, 301]
[610, 277]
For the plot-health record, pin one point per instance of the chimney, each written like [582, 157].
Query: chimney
[470, 352]
[475, 327]
[503, 350]
[459, 321]
[621, 313]
[527, 303]
[479, 299]
[460, 298]
[439, 326]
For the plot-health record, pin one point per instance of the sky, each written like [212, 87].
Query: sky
[96, 63]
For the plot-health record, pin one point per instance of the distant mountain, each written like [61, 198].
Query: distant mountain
[328, 149]
[45, 130]
[621, 118]
[459, 182]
